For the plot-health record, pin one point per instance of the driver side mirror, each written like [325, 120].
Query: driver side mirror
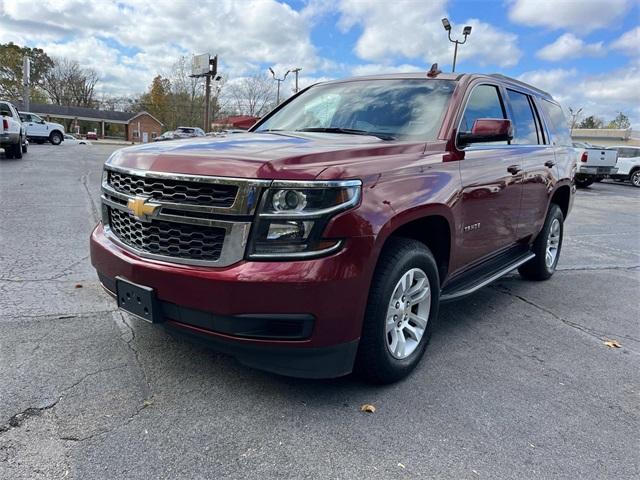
[487, 130]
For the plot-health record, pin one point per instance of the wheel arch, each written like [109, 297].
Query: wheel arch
[432, 225]
[562, 196]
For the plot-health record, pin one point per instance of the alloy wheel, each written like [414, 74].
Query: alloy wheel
[408, 313]
[553, 243]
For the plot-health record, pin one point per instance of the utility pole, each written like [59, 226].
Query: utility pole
[26, 80]
[213, 72]
[296, 71]
[279, 80]
[466, 31]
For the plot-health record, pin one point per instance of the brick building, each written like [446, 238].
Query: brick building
[133, 126]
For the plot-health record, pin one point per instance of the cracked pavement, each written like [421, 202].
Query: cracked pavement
[517, 382]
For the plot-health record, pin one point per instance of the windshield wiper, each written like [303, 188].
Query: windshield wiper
[348, 131]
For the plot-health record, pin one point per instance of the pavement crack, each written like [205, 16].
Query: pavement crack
[64, 272]
[589, 331]
[19, 418]
[130, 342]
[94, 209]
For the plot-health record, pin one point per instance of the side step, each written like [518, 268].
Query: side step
[485, 273]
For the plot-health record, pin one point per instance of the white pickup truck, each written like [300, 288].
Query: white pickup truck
[594, 163]
[39, 131]
[12, 134]
[628, 165]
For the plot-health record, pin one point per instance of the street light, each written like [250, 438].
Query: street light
[466, 31]
[279, 80]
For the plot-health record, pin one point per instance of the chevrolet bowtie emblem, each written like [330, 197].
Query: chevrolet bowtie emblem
[139, 207]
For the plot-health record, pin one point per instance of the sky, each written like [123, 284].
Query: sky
[586, 53]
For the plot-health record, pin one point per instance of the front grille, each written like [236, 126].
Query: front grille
[174, 191]
[179, 240]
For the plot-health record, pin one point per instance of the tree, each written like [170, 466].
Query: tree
[11, 56]
[254, 95]
[621, 121]
[591, 122]
[67, 83]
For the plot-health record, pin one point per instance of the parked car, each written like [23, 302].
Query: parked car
[12, 133]
[91, 136]
[40, 131]
[168, 135]
[628, 164]
[594, 163]
[187, 132]
[325, 239]
[71, 140]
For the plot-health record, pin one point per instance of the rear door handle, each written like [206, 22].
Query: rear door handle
[549, 163]
[513, 169]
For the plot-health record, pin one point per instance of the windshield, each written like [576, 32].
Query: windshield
[385, 108]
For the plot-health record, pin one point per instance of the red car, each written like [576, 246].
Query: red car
[91, 136]
[324, 240]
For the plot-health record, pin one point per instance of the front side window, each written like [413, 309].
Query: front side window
[484, 102]
[557, 122]
[390, 109]
[524, 124]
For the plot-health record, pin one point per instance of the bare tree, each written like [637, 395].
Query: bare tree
[253, 95]
[67, 83]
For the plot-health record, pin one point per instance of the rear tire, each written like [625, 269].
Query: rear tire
[55, 138]
[25, 147]
[17, 149]
[546, 247]
[583, 183]
[635, 178]
[401, 312]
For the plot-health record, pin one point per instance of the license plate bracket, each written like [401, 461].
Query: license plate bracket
[139, 300]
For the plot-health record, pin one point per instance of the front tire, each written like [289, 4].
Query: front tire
[401, 312]
[25, 147]
[55, 138]
[546, 247]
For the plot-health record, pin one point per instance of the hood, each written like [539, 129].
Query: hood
[54, 126]
[299, 156]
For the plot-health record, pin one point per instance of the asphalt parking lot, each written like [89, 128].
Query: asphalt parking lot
[517, 381]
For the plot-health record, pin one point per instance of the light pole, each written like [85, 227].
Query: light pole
[296, 71]
[466, 31]
[279, 80]
[574, 118]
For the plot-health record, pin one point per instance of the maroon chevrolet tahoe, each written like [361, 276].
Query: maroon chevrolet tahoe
[323, 240]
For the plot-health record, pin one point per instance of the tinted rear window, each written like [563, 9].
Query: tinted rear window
[557, 123]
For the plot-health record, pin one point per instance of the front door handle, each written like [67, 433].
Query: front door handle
[513, 169]
[549, 163]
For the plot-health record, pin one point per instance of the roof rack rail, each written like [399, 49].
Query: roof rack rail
[518, 82]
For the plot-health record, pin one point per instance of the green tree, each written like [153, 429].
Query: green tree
[591, 122]
[11, 56]
[621, 121]
[156, 100]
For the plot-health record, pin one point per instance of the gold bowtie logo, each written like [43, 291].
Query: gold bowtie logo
[140, 209]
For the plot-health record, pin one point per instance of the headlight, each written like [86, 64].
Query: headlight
[293, 215]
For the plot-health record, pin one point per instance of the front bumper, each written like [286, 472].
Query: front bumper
[215, 304]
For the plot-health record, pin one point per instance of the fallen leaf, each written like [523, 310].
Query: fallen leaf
[368, 408]
[612, 344]
[147, 403]
[78, 285]
[401, 465]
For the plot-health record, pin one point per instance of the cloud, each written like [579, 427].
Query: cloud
[137, 39]
[408, 29]
[376, 69]
[629, 42]
[577, 15]
[570, 46]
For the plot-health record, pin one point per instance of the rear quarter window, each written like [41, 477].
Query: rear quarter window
[557, 122]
